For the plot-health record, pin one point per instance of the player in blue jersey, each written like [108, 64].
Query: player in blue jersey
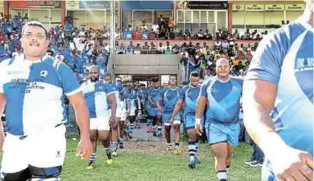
[98, 94]
[141, 100]
[31, 90]
[148, 108]
[166, 103]
[187, 102]
[125, 105]
[118, 90]
[278, 100]
[124, 115]
[222, 96]
[154, 112]
[133, 98]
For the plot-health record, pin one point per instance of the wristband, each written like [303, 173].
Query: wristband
[272, 145]
[198, 121]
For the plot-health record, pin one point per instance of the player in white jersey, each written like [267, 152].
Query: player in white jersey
[31, 90]
[118, 91]
[98, 95]
[278, 100]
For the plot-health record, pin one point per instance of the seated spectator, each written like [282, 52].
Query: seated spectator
[152, 35]
[160, 48]
[128, 34]
[144, 27]
[207, 35]
[145, 46]
[136, 34]
[175, 49]
[171, 34]
[144, 35]
[168, 51]
[200, 35]
[217, 45]
[137, 50]
[187, 34]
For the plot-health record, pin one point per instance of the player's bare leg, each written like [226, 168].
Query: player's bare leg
[159, 125]
[121, 133]
[221, 153]
[168, 136]
[192, 147]
[229, 156]
[176, 128]
[104, 136]
[115, 137]
[92, 158]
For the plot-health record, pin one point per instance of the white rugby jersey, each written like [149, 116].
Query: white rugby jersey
[34, 92]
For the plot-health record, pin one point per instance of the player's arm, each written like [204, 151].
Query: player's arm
[72, 90]
[81, 113]
[179, 104]
[2, 107]
[2, 103]
[150, 99]
[201, 103]
[121, 95]
[112, 99]
[259, 95]
[160, 99]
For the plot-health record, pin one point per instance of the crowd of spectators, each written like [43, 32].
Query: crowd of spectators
[82, 48]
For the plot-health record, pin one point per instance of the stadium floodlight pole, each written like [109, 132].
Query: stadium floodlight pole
[112, 25]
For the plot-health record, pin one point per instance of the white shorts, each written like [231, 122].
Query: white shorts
[118, 112]
[175, 122]
[132, 112]
[42, 150]
[123, 114]
[100, 123]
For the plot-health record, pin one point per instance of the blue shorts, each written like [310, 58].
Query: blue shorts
[166, 116]
[147, 106]
[189, 121]
[154, 111]
[217, 133]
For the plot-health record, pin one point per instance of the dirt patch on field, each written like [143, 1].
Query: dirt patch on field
[155, 147]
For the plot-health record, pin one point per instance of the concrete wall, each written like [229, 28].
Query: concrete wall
[146, 65]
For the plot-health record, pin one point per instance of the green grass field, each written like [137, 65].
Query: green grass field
[149, 161]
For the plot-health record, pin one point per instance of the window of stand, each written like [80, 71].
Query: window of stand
[96, 19]
[194, 20]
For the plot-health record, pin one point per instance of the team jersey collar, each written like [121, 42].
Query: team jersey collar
[222, 80]
[32, 61]
[193, 86]
[173, 88]
[303, 20]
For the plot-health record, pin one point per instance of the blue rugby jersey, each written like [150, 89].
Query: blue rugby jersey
[285, 58]
[169, 98]
[189, 95]
[223, 99]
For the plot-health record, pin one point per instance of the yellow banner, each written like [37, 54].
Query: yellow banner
[237, 7]
[274, 7]
[1, 5]
[72, 5]
[294, 7]
[255, 7]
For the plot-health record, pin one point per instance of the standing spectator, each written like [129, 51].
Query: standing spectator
[68, 30]
[171, 23]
